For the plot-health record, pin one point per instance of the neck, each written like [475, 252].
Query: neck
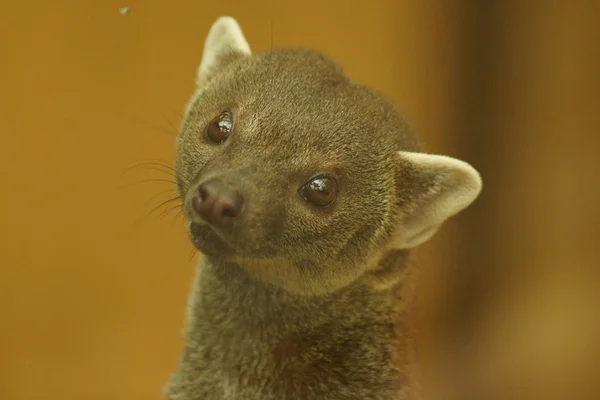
[249, 322]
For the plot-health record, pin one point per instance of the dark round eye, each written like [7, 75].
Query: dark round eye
[220, 127]
[320, 191]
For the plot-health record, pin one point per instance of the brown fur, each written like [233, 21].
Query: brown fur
[296, 302]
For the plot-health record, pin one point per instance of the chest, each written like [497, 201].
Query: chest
[287, 351]
[334, 362]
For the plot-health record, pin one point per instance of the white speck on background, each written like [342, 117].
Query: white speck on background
[124, 10]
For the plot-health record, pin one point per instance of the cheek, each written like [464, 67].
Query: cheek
[274, 223]
[263, 224]
[316, 234]
[358, 245]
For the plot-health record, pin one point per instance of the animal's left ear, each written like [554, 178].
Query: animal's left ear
[433, 188]
[225, 41]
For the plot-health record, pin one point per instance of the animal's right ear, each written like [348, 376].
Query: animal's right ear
[225, 41]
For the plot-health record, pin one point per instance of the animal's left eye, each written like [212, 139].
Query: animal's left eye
[220, 127]
[321, 191]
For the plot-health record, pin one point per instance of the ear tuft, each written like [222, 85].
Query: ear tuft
[225, 38]
[447, 186]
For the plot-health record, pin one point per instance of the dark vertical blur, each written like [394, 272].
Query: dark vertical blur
[520, 320]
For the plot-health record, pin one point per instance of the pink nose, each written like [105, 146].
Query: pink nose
[217, 203]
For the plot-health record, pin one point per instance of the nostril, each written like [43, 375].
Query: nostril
[228, 212]
[202, 193]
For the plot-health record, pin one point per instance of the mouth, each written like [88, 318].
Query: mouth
[209, 241]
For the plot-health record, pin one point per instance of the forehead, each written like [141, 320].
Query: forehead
[305, 100]
[297, 108]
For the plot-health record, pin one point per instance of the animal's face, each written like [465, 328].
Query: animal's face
[288, 169]
[303, 157]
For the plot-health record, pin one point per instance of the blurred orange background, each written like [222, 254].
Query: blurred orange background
[93, 284]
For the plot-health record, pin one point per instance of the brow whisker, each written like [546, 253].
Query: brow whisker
[168, 121]
[153, 126]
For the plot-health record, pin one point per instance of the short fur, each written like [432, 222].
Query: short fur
[297, 302]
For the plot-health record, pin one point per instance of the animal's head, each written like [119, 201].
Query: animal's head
[301, 176]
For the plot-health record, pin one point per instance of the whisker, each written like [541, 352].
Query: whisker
[271, 34]
[270, 53]
[149, 181]
[168, 210]
[178, 174]
[153, 197]
[179, 214]
[194, 251]
[158, 166]
[166, 163]
[164, 130]
[164, 203]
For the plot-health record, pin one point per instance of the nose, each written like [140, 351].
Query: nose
[217, 203]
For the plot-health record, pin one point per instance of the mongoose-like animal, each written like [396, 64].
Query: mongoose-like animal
[304, 192]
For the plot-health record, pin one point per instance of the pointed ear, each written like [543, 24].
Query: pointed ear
[224, 41]
[439, 187]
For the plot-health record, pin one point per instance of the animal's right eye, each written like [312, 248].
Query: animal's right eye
[220, 127]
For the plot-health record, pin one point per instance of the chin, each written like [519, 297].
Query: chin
[209, 242]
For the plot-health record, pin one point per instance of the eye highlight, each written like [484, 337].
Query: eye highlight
[320, 191]
[220, 127]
